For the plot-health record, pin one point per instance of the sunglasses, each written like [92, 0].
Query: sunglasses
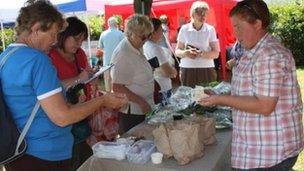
[252, 10]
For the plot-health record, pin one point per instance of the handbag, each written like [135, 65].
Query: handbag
[104, 123]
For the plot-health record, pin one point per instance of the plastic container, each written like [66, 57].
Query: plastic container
[157, 158]
[110, 150]
[140, 151]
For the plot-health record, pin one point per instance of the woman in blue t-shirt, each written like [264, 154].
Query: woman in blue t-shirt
[28, 76]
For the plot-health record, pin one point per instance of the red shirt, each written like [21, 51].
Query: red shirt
[67, 69]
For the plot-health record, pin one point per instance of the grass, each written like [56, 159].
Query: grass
[299, 166]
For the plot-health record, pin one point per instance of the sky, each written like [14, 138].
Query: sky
[279, 1]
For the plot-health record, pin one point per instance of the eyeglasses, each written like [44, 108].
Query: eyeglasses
[144, 37]
[252, 10]
[200, 11]
[160, 30]
[78, 39]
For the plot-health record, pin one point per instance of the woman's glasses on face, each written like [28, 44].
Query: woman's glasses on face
[78, 39]
[144, 37]
[200, 11]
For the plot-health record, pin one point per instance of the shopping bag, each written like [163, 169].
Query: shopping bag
[103, 122]
[184, 141]
[161, 140]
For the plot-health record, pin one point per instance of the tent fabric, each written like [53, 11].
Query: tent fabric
[9, 9]
[178, 12]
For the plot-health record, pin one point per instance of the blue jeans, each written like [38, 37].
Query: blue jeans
[285, 165]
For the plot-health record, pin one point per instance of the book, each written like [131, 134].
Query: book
[189, 46]
[99, 72]
[154, 62]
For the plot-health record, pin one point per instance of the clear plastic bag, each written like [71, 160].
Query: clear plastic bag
[111, 150]
[222, 88]
[140, 151]
[180, 99]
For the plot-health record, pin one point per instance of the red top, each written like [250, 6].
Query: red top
[67, 69]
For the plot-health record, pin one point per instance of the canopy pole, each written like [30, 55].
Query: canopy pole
[143, 7]
[2, 35]
[89, 38]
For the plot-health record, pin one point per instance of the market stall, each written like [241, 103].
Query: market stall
[188, 135]
[216, 158]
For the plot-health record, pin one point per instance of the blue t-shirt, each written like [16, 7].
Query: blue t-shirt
[28, 75]
[108, 41]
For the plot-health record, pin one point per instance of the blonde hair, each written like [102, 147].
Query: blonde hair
[138, 23]
[164, 19]
[198, 4]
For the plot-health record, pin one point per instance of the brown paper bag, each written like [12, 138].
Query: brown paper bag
[207, 129]
[184, 142]
[161, 140]
[142, 130]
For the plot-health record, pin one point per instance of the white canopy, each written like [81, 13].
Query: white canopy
[9, 10]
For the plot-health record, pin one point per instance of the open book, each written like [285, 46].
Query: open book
[99, 72]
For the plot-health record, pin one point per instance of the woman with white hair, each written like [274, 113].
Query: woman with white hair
[132, 74]
[197, 46]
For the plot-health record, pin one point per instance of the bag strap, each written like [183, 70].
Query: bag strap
[2, 62]
[34, 111]
[27, 126]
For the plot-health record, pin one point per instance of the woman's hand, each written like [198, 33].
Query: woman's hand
[209, 101]
[84, 75]
[174, 73]
[144, 106]
[231, 63]
[191, 53]
[114, 100]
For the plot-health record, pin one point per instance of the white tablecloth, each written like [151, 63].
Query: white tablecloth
[216, 158]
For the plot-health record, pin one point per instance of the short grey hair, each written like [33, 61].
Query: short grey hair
[112, 22]
[198, 4]
[138, 23]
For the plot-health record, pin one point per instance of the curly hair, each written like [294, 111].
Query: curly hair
[138, 24]
[41, 11]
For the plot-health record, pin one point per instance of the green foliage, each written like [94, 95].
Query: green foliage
[119, 19]
[288, 26]
[96, 26]
[9, 37]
